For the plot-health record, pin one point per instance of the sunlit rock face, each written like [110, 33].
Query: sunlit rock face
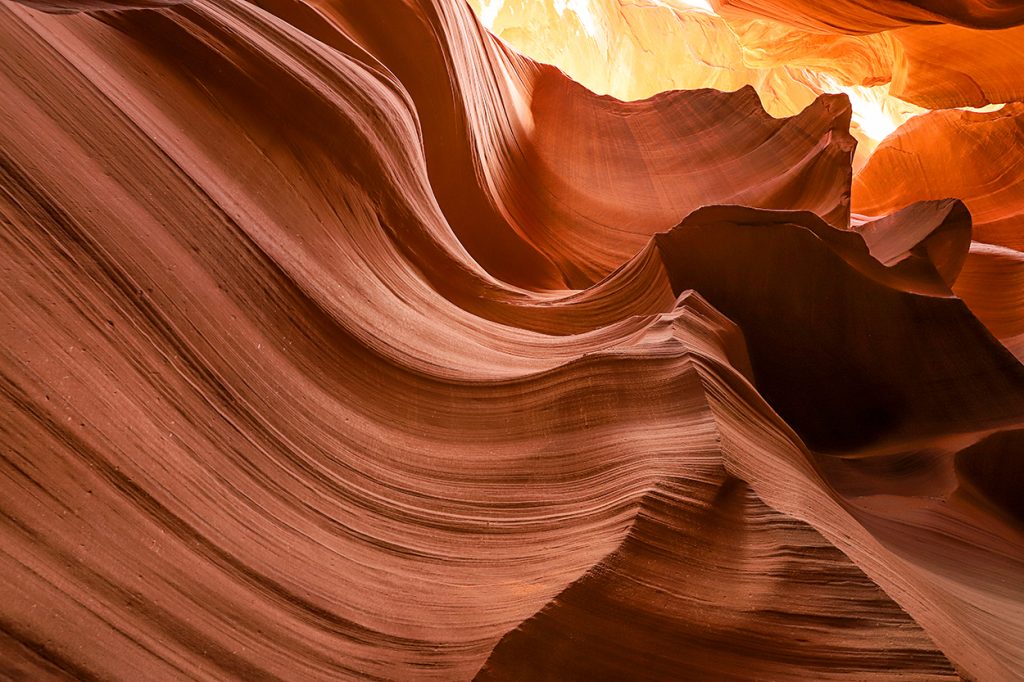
[632, 50]
[858, 17]
[422, 339]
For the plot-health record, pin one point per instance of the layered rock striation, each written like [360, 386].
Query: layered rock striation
[341, 341]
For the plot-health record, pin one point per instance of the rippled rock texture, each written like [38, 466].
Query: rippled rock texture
[341, 341]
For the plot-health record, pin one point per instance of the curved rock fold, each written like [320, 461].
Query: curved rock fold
[340, 341]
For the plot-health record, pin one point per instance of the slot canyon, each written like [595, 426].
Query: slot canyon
[512, 340]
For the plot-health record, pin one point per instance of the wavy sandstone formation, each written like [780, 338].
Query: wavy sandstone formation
[856, 16]
[340, 341]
